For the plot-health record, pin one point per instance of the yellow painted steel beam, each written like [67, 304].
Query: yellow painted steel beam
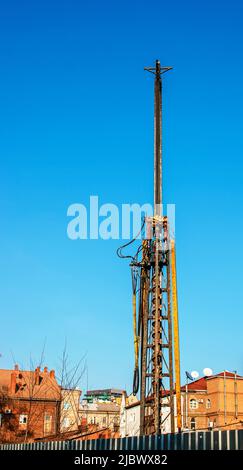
[136, 337]
[176, 335]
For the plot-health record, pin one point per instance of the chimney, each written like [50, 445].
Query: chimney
[13, 383]
[45, 370]
[37, 376]
[16, 367]
[52, 374]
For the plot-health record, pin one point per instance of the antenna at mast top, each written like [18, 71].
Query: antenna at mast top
[158, 71]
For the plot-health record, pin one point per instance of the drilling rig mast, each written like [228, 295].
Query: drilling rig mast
[155, 312]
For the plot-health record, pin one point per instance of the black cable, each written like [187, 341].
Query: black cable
[118, 251]
[135, 276]
[135, 381]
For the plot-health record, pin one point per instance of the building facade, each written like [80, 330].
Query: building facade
[104, 395]
[69, 414]
[129, 417]
[29, 404]
[97, 416]
[214, 402]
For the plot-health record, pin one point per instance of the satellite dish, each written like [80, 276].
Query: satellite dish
[207, 372]
[195, 374]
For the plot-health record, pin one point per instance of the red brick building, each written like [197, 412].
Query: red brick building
[29, 404]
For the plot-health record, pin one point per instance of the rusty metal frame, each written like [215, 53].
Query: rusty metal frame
[157, 340]
[156, 301]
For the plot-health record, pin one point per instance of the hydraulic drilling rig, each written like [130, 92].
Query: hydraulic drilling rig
[155, 309]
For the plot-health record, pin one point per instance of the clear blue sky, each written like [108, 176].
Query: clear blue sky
[77, 119]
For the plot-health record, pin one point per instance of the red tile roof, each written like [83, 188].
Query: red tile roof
[199, 384]
[196, 385]
[25, 386]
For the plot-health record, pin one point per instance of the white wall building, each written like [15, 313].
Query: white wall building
[69, 417]
[130, 418]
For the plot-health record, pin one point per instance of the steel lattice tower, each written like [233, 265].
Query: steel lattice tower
[155, 312]
[156, 337]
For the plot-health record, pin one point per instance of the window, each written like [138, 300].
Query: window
[66, 405]
[193, 424]
[47, 423]
[208, 404]
[104, 420]
[193, 404]
[210, 424]
[23, 419]
[66, 422]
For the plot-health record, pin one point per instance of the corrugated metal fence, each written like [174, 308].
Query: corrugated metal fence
[208, 440]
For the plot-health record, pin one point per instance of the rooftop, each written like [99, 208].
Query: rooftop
[106, 391]
[35, 384]
[197, 385]
[108, 407]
